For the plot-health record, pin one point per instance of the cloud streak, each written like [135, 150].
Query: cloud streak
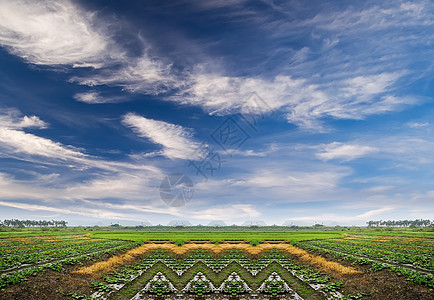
[57, 33]
[343, 151]
[143, 75]
[50, 33]
[176, 141]
[304, 103]
[18, 144]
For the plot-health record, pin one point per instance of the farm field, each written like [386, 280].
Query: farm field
[218, 236]
[216, 265]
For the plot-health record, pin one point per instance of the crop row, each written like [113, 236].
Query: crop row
[413, 241]
[379, 252]
[16, 260]
[413, 276]
[402, 246]
[48, 245]
[24, 241]
[20, 276]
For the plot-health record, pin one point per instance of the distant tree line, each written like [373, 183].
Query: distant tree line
[32, 223]
[401, 223]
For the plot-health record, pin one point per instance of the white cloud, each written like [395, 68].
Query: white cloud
[97, 98]
[132, 186]
[269, 150]
[294, 181]
[89, 97]
[138, 191]
[258, 183]
[22, 145]
[417, 124]
[10, 118]
[227, 213]
[343, 151]
[344, 219]
[363, 87]
[14, 140]
[55, 33]
[50, 32]
[16, 143]
[305, 103]
[408, 150]
[21, 142]
[129, 185]
[371, 213]
[224, 95]
[380, 189]
[92, 213]
[375, 17]
[177, 141]
[32, 121]
[138, 75]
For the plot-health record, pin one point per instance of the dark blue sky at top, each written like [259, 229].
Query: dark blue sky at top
[100, 100]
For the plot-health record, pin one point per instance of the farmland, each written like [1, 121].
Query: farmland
[218, 236]
[216, 264]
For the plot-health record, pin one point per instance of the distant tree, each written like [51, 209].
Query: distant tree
[32, 223]
[401, 223]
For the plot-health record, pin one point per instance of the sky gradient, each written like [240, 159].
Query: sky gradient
[281, 111]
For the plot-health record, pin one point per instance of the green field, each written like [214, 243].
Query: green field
[218, 236]
[38, 232]
[398, 232]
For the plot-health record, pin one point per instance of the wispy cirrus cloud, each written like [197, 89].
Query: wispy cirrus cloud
[143, 75]
[51, 33]
[334, 218]
[294, 181]
[92, 213]
[304, 103]
[344, 151]
[375, 17]
[18, 141]
[13, 138]
[176, 141]
[18, 144]
[96, 98]
[57, 33]
[417, 124]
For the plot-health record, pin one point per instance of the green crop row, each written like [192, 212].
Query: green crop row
[22, 275]
[412, 275]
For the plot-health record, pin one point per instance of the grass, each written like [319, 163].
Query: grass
[211, 236]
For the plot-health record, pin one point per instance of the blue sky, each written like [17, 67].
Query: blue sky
[328, 105]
